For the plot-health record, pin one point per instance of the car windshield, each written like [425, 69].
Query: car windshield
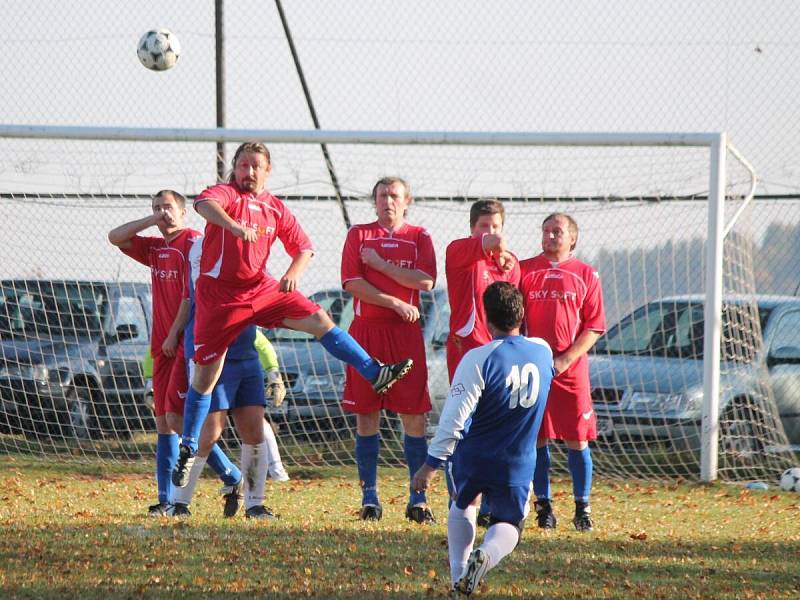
[675, 330]
[51, 309]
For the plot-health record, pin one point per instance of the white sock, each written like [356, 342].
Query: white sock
[254, 472]
[460, 538]
[499, 541]
[273, 454]
[185, 494]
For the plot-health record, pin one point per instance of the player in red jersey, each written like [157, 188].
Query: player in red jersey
[471, 265]
[167, 258]
[564, 306]
[385, 264]
[234, 289]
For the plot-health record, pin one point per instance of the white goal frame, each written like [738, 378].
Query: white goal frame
[716, 142]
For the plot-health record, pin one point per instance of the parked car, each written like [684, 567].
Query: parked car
[647, 373]
[70, 357]
[315, 380]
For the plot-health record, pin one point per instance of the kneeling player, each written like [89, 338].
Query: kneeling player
[501, 390]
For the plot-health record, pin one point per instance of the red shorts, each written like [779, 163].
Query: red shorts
[457, 347]
[222, 312]
[389, 343]
[569, 414]
[170, 382]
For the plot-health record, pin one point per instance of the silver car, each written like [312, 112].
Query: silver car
[647, 374]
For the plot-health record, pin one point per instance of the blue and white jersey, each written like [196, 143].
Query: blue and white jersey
[242, 347]
[492, 415]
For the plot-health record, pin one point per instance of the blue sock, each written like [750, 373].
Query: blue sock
[416, 451]
[541, 476]
[367, 460]
[341, 344]
[166, 455]
[195, 411]
[484, 508]
[580, 467]
[228, 472]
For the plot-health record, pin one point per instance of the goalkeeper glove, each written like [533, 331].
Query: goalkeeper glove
[275, 388]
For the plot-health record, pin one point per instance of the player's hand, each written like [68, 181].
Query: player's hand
[372, 259]
[275, 388]
[408, 312]
[422, 478]
[288, 283]
[244, 233]
[505, 261]
[169, 345]
[561, 364]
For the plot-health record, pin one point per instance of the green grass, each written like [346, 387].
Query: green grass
[72, 530]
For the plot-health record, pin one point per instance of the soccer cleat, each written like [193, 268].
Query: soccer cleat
[158, 510]
[420, 514]
[484, 520]
[277, 472]
[180, 510]
[476, 568]
[391, 374]
[545, 518]
[180, 474]
[233, 499]
[371, 512]
[583, 517]
[259, 512]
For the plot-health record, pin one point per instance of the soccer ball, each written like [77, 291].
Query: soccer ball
[159, 50]
[790, 480]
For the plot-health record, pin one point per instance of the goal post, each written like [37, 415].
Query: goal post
[638, 194]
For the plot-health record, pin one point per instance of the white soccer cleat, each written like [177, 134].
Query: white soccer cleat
[477, 565]
[277, 472]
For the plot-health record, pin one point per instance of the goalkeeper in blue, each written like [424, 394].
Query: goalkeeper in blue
[488, 429]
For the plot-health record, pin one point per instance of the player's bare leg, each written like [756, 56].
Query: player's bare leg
[415, 448]
[341, 345]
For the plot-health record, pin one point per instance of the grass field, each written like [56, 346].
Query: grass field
[72, 530]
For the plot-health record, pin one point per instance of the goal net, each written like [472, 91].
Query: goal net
[75, 312]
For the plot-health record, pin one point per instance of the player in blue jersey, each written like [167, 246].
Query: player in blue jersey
[488, 429]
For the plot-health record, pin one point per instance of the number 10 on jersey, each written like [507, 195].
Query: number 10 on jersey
[524, 384]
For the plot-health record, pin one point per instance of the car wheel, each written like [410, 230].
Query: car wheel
[742, 431]
[82, 420]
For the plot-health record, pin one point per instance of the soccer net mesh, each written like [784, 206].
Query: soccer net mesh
[75, 312]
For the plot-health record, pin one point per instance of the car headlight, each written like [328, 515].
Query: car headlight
[680, 405]
[323, 384]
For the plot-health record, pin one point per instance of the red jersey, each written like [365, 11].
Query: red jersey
[169, 265]
[562, 300]
[470, 270]
[409, 247]
[230, 259]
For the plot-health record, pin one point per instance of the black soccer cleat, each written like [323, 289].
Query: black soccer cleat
[259, 512]
[420, 514]
[159, 510]
[583, 517]
[180, 474]
[371, 512]
[545, 518]
[233, 499]
[180, 510]
[477, 566]
[391, 374]
[484, 520]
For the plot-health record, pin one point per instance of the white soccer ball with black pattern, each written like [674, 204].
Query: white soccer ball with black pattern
[159, 49]
[790, 480]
